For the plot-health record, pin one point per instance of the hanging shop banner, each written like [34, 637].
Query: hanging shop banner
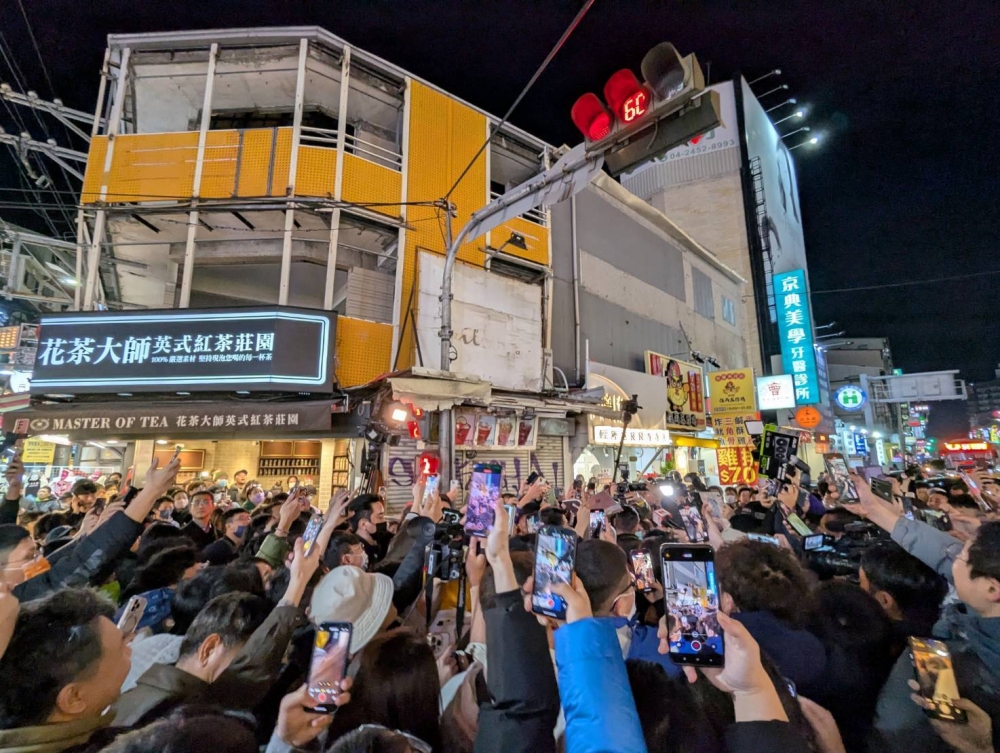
[798, 352]
[732, 392]
[685, 390]
[479, 429]
[221, 419]
[611, 436]
[260, 349]
[38, 452]
[731, 431]
[736, 466]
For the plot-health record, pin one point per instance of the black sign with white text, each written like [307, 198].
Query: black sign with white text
[186, 350]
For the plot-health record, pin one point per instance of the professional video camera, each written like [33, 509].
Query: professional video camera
[842, 558]
[444, 558]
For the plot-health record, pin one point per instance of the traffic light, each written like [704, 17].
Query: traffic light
[639, 121]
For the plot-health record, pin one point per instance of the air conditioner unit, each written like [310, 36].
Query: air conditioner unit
[507, 265]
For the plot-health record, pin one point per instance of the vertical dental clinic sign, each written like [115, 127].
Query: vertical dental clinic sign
[268, 349]
[795, 330]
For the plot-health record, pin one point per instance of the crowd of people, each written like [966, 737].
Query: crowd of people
[235, 582]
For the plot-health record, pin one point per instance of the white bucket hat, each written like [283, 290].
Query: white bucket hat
[349, 594]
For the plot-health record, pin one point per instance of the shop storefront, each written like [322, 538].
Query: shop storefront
[236, 389]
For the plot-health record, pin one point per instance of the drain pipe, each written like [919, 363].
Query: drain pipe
[576, 287]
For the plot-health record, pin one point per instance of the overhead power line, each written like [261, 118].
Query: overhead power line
[908, 283]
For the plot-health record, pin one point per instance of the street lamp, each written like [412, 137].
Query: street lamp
[775, 72]
[796, 114]
[813, 140]
[789, 101]
[772, 91]
[792, 133]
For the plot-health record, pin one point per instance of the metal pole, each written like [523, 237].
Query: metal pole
[338, 181]
[869, 416]
[81, 224]
[13, 274]
[445, 436]
[199, 163]
[293, 163]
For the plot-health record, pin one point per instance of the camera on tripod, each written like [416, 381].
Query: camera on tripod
[444, 558]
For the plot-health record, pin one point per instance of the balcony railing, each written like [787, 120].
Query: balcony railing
[536, 215]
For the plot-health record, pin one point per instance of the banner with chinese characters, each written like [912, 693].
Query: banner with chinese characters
[685, 390]
[732, 391]
[731, 430]
[795, 330]
[736, 466]
[219, 419]
[252, 349]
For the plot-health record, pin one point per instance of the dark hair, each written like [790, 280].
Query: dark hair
[372, 739]
[55, 641]
[233, 617]
[340, 544]
[192, 595]
[189, 729]
[362, 508]
[48, 522]
[530, 508]
[162, 501]
[199, 493]
[397, 686]
[672, 720]
[162, 569]
[760, 577]
[695, 480]
[916, 588]
[984, 554]
[822, 487]
[964, 501]
[627, 521]
[524, 566]
[552, 516]
[744, 489]
[10, 536]
[837, 519]
[156, 538]
[914, 486]
[228, 515]
[84, 486]
[603, 570]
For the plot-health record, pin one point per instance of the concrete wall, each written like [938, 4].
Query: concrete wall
[635, 290]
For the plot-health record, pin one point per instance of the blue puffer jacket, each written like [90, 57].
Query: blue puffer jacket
[593, 685]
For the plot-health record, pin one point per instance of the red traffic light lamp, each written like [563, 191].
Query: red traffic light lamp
[591, 117]
[627, 98]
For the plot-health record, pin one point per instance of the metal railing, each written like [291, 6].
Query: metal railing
[373, 152]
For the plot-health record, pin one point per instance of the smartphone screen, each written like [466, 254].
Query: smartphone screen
[714, 502]
[694, 524]
[431, 482]
[484, 491]
[839, 473]
[312, 531]
[331, 652]
[511, 518]
[642, 569]
[691, 596]
[596, 522]
[798, 525]
[764, 539]
[936, 677]
[531, 523]
[132, 615]
[555, 559]
[882, 488]
[813, 542]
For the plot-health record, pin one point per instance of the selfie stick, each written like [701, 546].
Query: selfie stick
[629, 409]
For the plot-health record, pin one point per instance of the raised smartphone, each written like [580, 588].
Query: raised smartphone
[328, 667]
[311, 532]
[694, 524]
[431, 482]
[691, 599]
[642, 569]
[132, 615]
[511, 518]
[555, 560]
[882, 488]
[484, 490]
[936, 677]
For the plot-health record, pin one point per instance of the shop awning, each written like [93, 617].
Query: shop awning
[708, 444]
[14, 402]
[435, 390]
[214, 420]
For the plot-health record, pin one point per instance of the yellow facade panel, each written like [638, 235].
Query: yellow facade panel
[536, 238]
[280, 177]
[255, 162]
[218, 172]
[152, 167]
[444, 136]
[92, 177]
[316, 171]
[367, 182]
[363, 350]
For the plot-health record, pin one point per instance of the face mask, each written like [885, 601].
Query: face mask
[223, 483]
[257, 497]
[731, 499]
[631, 613]
[165, 514]
[363, 564]
[240, 530]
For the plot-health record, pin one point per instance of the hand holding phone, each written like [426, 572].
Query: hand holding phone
[691, 596]
[328, 667]
[935, 676]
[484, 491]
[555, 561]
[642, 569]
[131, 616]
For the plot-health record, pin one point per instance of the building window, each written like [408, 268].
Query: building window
[703, 302]
[728, 311]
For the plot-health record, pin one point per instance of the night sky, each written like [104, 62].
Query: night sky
[903, 187]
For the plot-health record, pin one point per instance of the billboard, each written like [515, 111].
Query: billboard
[246, 349]
[783, 220]
[726, 136]
[795, 331]
[732, 392]
[776, 392]
[685, 390]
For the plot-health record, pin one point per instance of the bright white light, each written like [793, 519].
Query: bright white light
[162, 441]
[70, 281]
[399, 414]
[877, 435]
[55, 439]
[799, 113]
[666, 490]
[814, 140]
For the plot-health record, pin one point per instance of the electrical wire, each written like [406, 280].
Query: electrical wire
[908, 283]
[531, 82]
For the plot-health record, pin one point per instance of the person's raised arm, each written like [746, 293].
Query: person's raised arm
[498, 551]
[877, 510]
[158, 480]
